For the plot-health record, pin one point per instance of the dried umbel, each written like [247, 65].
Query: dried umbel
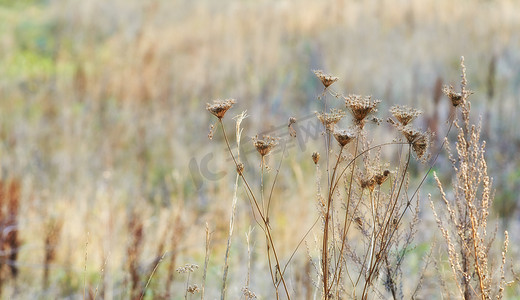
[315, 157]
[192, 289]
[330, 119]
[187, 268]
[343, 137]
[326, 79]
[265, 145]
[220, 107]
[455, 97]
[361, 107]
[405, 114]
[381, 178]
[368, 183]
[420, 141]
[371, 181]
[248, 294]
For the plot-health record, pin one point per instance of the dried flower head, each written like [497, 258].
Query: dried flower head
[455, 97]
[265, 145]
[330, 119]
[220, 107]
[240, 168]
[368, 183]
[192, 289]
[420, 141]
[361, 107]
[187, 268]
[248, 294]
[404, 114]
[326, 79]
[343, 137]
[381, 178]
[315, 157]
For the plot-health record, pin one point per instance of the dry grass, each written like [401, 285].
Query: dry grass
[101, 116]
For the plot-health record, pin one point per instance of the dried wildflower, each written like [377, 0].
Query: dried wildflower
[330, 119]
[380, 178]
[455, 97]
[419, 140]
[361, 107]
[240, 168]
[369, 183]
[220, 107]
[404, 114]
[315, 157]
[192, 289]
[248, 294]
[265, 145]
[326, 79]
[187, 268]
[343, 137]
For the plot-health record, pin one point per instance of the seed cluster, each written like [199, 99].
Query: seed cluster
[361, 107]
[220, 107]
[326, 79]
[404, 114]
[343, 137]
[265, 145]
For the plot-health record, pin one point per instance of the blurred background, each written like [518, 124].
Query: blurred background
[106, 165]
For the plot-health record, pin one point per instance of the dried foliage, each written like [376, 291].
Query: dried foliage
[464, 212]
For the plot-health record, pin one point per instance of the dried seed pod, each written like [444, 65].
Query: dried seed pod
[326, 79]
[455, 97]
[343, 137]
[240, 168]
[381, 178]
[264, 146]
[220, 107]
[361, 107]
[404, 114]
[315, 157]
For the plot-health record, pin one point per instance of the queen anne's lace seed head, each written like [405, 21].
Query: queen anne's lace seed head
[343, 137]
[361, 107]
[404, 114]
[220, 107]
[326, 79]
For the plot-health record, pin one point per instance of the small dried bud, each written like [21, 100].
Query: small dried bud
[359, 222]
[220, 107]
[315, 157]
[380, 178]
[264, 146]
[192, 289]
[240, 168]
[455, 97]
[343, 137]
[369, 183]
[292, 120]
[325, 79]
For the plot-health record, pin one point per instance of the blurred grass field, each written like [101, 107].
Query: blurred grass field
[103, 122]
